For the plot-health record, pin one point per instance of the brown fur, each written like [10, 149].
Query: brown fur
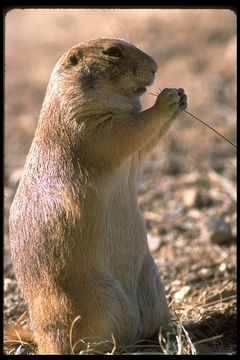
[78, 239]
[15, 335]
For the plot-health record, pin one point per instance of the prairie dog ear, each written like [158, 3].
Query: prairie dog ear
[74, 57]
[113, 51]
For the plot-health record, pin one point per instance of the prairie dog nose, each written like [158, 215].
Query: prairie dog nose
[154, 66]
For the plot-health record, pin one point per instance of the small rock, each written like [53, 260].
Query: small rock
[178, 211]
[231, 268]
[203, 199]
[189, 197]
[162, 263]
[179, 295]
[193, 278]
[222, 268]
[197, 198]
[195, 267]
[154, 242]
[8, 193]
[21, 350]
[8, 196]
[194, 214]
[14, 177]
[206, 274]
[186, 226]
[172, 166]
[219, 231]
[9, 285]
[8, 313]
[162, 231]
[176, 282]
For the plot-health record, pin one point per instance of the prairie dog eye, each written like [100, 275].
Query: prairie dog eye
[73, 59]
[113, 51]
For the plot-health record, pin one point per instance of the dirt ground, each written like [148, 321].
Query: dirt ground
[187, 190]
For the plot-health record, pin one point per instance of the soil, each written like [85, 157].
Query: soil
[187, 189]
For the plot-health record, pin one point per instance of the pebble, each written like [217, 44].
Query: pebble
[9, 285]
[176, 282]
[178, 211]
[21, 350]
[194, 278]
[219, 232]
[196, 198]
[189, 196]
[172, 166]
[222, 268]
[179, 295]
[206, 274]
[8, 196]
[10, 312]
[15, 176]
[194, 214]
[154, 242]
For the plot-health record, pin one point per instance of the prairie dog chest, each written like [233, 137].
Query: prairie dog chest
[123, 186]
[122, 211]
[124, 231]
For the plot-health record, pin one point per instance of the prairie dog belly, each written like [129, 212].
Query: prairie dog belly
[124, 232]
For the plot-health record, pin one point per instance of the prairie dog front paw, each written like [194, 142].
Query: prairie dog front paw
[171, 102]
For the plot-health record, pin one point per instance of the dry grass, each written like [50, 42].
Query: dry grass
[207, 327]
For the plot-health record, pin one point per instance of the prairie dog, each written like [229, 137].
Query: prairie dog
[78, 238]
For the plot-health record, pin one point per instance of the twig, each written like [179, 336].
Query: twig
[71, 331]
[195, 117]
[208, 339]
[194, 352]
[221, 300]
[114, 345]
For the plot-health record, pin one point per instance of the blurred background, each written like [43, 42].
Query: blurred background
[191, 175]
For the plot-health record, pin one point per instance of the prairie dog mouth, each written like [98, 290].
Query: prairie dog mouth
[142, 89]
[139, 91]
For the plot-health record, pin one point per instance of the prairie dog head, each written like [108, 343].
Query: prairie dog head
[104, 73]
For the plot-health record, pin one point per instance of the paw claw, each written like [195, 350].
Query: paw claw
[180, 91]
[172, 101]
